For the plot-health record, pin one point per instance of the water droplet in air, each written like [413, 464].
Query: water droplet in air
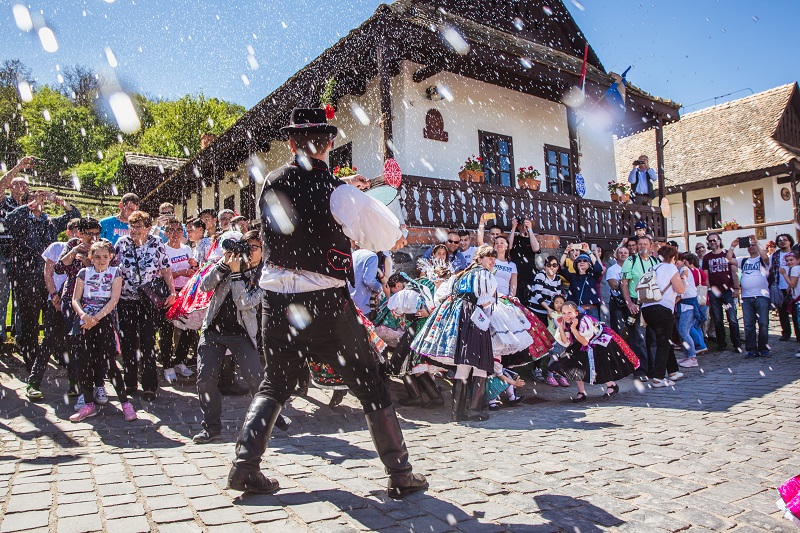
[455, 40]
[124, 112]
[25, 91]
[112, 59]
[22, 17]
[48, 39]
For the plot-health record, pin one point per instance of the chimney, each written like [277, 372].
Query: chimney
[206, 140]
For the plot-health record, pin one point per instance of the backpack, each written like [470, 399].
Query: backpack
[647, 289]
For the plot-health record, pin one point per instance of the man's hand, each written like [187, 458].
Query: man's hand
[26, 163]
[55, 300]
[633, 309]
[170, 301]
[358, 181]
[514, 222]
[234, 261]
[528, 224]
[401, 243]
[585, 247]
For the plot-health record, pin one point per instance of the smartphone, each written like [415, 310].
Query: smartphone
[489, 216]
[744, 243]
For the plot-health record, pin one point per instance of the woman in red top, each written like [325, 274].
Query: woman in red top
[701, 282]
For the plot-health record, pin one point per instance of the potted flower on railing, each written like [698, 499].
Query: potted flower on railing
[620, 191]
[344, 171]
[728, 225]
[472, 170]
[528, 178]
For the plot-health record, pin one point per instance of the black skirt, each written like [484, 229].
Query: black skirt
[610, 363]
[474, 345]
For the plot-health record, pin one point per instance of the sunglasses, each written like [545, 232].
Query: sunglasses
[454, 242]
[552, 264]
[709, 241]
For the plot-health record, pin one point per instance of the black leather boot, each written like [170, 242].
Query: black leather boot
[459, 408]
[477, 401]
[245, 475]
[415, 398]
[430, 389]
[337, 397]
[303, 381]
[388, 439]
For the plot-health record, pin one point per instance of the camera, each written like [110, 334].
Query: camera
[638, 162]
[236, 247]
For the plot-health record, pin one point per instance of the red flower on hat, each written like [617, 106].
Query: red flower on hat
[330, 112]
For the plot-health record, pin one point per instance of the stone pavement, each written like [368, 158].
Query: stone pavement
[704, 456]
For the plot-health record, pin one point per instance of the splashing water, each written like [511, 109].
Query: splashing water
[124, 112]
[110, 57]
[360, 114]
[455, 40]
[48, 39]
[22, 17]
[298, 316]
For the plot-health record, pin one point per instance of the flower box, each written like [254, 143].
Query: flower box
[473, 176]
[529, 183]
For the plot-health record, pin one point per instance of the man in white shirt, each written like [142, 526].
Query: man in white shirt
[465, 246]
[308, 218]
[642, 179]
[755, 295]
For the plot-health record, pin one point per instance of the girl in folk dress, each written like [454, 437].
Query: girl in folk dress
[595, 353]
[458, 335]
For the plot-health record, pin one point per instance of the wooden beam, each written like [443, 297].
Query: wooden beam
[732, 179]
[217, 176]
[385, 67]
[793, 177]
[662, 186]
[199, 191]
[685, 202]
[426, 72]
[572, 129]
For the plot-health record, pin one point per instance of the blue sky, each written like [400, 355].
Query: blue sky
[688, 51]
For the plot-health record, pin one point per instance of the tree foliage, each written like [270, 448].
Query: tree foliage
[65, 127]
[178, 125]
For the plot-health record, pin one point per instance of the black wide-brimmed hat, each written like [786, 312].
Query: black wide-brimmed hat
[309, 120]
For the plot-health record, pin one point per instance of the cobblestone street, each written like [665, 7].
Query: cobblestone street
[704, 456]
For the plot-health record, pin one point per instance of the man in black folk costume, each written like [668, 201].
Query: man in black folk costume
[307, 219]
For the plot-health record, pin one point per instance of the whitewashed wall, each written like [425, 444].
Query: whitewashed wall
[735, 203]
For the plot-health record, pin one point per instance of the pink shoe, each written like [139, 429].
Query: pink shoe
[563, 381]
[129, 412]
[551, 380]
[86, 411]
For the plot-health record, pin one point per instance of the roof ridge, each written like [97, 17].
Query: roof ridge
[741, 101]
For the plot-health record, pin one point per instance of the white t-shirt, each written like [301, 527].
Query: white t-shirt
[754, 277]
[179, 260]
[795, 271]
[688, 280]
[614, 272]
[664, 273]
[53, 253]
[469, 254]
[504, 270]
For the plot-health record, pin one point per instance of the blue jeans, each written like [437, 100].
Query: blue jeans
[717, 304]
[756, 311]
[686, 321]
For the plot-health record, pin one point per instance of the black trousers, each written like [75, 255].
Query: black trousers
[137, 324]
[98, 352]
[661, 321]
[178, 352]
[334, 335]
[30, 296]
[55, 344]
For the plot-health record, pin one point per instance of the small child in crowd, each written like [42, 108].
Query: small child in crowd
[503, 380]
[97, 290]
[553, 379]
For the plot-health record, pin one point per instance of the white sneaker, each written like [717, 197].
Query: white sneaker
[797, 354]
[675, 376]
[80, 403]
[169, 375]
[100, 395]
[183, 370]
[658, 383]
[689, 363]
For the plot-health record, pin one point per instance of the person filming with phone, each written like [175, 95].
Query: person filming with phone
[755, 293]
[32, 230]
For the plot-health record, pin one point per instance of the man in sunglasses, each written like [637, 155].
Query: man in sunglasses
[454, 255]
[723, 292]
[700, 250]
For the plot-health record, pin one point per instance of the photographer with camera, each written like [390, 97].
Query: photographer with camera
[523, 247]
[642, 179]
[231, 323]
[32, 231]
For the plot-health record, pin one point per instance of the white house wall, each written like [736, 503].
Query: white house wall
[735, 203]
[531, 122]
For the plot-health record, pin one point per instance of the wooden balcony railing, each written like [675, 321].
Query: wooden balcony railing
[431, 202]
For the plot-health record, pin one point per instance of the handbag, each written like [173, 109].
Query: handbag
[155, 291]
[776, 296]
[702, 295]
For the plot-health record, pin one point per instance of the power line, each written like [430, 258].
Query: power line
[718, 97]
